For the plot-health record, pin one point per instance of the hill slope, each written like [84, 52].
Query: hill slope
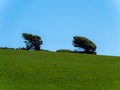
[34, 70]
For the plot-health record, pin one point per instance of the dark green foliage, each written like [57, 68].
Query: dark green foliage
[63, 50]
[6, 48]
[84, 43]
[32, 41]
[44, 50]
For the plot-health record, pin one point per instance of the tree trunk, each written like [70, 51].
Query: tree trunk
[37, 47]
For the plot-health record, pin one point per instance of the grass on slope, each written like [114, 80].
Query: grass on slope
[34, 70]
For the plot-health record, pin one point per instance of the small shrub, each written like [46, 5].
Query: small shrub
[45, 50]
[64, 50]
[7, 48]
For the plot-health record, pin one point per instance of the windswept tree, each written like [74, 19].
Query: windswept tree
[32, 41]
[84, 43]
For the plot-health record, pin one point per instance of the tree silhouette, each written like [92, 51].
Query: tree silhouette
[84, 43]
[32, 41]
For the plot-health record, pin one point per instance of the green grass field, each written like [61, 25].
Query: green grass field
[35, 70]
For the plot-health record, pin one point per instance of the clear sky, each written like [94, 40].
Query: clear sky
[57, 21]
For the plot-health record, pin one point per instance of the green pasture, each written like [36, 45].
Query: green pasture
[35, 70]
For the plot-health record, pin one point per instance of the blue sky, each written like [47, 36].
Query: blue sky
[57, 21]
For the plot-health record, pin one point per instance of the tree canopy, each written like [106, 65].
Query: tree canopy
[32, 41]
[84, 43]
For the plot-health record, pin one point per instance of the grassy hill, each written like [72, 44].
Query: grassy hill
[35, 70]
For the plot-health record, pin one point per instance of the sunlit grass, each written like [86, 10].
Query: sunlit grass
[34, 70]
